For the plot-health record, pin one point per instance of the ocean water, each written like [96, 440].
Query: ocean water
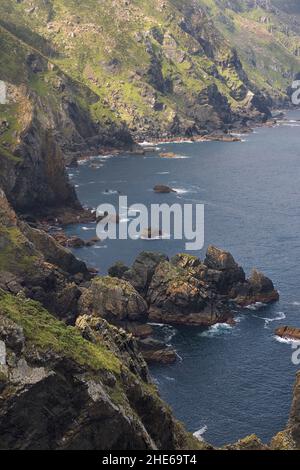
[228, 382]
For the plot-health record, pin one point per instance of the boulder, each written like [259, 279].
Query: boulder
[113, 299]
[162, 189]
[288, 332]
[257, 289]
[168, 155]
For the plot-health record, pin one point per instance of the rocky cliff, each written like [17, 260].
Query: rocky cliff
[45, 119]
[163, 67]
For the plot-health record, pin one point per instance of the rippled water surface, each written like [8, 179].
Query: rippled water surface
[228, 382]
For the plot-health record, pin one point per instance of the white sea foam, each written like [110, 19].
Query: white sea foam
[179, 357]
[181, 190]
[198, 434]
[296, 303]
[287, 340]
[163, 173]
[279, 317]
[216, 330]
[169, 379]
[256, 306]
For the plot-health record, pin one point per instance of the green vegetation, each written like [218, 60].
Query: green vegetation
[46, 333]
[15, 254]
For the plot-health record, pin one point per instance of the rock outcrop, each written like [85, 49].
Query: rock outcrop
[99, 387]
[186, 291]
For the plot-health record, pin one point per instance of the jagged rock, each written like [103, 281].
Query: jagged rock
[54, 253]
[257, 289]
[113, 299]
[179, 296]
[142, 270]
[96, 329]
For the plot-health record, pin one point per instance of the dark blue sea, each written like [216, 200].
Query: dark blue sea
[228, 382]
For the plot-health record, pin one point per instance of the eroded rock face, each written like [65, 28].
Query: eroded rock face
[34, 265]
[59, 390]
[113, 299]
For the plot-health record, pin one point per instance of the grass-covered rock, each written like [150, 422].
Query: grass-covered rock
[61, 391]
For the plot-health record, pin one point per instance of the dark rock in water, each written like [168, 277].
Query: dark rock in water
[114, 300]
[190, 292]
[179, 296]
[154, 351]
[257, 289]
[73, 241]
[162, 189]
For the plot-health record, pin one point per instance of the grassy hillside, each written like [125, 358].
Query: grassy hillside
[160, 66]
[267, 37]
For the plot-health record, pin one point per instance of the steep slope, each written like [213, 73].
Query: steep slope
[44, 117]
[266, 34]
[160, 66]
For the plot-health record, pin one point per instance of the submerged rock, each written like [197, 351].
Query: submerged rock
[162, 189]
